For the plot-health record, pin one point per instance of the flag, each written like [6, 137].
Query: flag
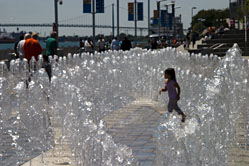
[140, 11]
[130, 11]
[100, 6]
[87, 4]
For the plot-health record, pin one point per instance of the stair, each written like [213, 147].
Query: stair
[221, 43]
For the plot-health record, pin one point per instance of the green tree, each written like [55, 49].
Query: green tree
[198, 27]
[243, 11]
[209, 18]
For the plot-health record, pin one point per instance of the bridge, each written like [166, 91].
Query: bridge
[84, 21]
[72, 26]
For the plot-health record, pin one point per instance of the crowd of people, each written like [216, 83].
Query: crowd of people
[87, 45]
[28, 46]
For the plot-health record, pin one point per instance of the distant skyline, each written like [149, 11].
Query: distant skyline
[42, 11]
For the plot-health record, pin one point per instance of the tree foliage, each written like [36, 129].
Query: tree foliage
[243, 11]
[198, 27]
[211, 17]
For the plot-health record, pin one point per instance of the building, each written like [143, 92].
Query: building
[170, 28]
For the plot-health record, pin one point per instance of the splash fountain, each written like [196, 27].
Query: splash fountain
[86, 88]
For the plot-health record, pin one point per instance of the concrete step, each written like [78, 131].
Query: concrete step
[231, 36]
[214, 41]
[238, 32]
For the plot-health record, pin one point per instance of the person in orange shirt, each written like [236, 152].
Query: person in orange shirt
[32, 47]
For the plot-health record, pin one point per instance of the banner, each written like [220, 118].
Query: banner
[166, 19]
[155, 17]
[163, 18]
[156, 14]
[100, 6]
[170, 21]
[140, 11]
[130, 11]
[87, 6]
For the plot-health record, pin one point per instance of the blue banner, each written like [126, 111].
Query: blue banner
[170, 21]
[130, 11]
[140, 11]
[87, 6]
[100, 6]
[166, 19]
[155, 21]
[163, 18]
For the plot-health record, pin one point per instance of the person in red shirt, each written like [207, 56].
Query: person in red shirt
[32, 47]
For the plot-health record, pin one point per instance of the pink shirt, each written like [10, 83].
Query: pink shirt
[171, 89]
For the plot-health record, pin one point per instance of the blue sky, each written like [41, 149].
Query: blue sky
[42, 11]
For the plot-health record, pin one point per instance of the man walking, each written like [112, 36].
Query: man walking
[20, 45]
[51, 50]
[32, 47]
[51, 44]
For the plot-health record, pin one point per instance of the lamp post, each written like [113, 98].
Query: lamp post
[113, 21]
[93, 15]
[55, 28]
[149, 18]
[159, 17]
[117, 18]
[174, 23]
[167, 23]
[135, 21]
[192, 11]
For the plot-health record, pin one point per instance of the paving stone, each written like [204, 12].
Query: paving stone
[134, 126]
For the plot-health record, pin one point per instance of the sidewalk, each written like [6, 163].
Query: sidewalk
[181, 47]
[134, 126]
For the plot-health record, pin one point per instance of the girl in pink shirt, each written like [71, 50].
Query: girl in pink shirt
[174, 91]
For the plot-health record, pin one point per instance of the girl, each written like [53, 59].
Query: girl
[171, 85]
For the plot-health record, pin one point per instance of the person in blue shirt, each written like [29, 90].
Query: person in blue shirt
[115, 44]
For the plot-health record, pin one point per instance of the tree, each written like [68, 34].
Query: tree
[211, 17]
[198, 27]
[243, 11]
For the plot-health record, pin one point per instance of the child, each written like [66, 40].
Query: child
[171, 85]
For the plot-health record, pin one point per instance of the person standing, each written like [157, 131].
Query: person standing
[89, 47]
[15, 47]
[126, 44]
[101, 44]
[153, 44]
[51, 44]
[82, 42]
[193, 39]
[51, 50]
[32, 47]
[19, 47]
[188, 39]
[115, 44]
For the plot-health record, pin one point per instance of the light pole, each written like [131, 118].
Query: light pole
[148, 18]
[159, 17]
[174, 25]
[56, 28]
[135, 19]
[117, 18]
[93, 15]
[192, 11]
[113, 21]
[167, 23]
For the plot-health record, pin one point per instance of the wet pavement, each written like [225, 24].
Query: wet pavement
[134, 126]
